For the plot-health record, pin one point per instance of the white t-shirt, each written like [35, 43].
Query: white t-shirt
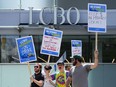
[47, 83]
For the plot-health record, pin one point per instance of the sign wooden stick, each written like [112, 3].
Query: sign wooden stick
[41, 59]
[67, 61]
[29, 68]
[96, 40]
[48, 58]
[113, 60]
[90, 60]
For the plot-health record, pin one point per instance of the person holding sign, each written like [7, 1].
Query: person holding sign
[79, 73]
[47, 77]
[61, 76]
[37, 79]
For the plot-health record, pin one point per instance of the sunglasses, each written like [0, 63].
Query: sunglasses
[46, 69]
[35, 66]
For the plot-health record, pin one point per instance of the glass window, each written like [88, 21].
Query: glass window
[36, 4]
[106, 47]
[25, 4]
[109, 49]
[39, 4]
[8, 49]
[9, 4]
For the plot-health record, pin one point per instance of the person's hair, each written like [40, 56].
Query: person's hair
[66, 66]
[40, 66]
[79, 58]
[47, 67]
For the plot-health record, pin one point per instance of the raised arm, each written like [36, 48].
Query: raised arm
[95, 60]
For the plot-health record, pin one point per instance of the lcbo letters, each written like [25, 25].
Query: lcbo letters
[59, 12]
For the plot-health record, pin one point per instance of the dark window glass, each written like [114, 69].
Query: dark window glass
[106, 47]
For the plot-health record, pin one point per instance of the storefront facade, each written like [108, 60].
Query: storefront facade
[18, 23]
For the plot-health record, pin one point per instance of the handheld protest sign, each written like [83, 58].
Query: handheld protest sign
[97, 16]
[76, 47]
[26, 50]
[51, 42]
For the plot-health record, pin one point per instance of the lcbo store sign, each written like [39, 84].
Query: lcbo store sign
[58, 13]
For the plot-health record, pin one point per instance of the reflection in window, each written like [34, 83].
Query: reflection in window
[8, 49]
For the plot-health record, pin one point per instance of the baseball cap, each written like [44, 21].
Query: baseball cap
[78, 57]
[47, 67]
[60, 62]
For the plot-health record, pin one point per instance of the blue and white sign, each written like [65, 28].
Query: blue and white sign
[97, 16]
[26, 49]
[76, 46]
[51, 42]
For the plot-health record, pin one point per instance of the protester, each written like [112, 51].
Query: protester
[47, 77]
[67, 67]
[79, 73]
[37, 79]
[61, 76]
